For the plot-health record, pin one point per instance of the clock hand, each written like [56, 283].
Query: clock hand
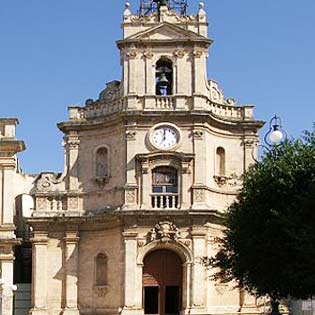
[164, 134]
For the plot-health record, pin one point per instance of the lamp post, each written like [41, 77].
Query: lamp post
[274, 139]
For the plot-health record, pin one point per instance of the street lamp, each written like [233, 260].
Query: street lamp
[274, 137]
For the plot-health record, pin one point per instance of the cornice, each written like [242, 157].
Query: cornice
[11, 146]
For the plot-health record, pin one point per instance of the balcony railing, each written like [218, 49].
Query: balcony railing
[164, 201]
[164, 102]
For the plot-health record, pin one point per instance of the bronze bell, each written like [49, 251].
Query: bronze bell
[162, 81]
[161, 2]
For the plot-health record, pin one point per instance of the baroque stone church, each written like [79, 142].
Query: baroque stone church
[150, 166]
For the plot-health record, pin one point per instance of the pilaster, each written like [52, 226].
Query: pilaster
[130, 305]
[7, 289]
[201, 170]
[72, 153]
[199, 277]
[71, 240]
[131, 191]
[39, 273]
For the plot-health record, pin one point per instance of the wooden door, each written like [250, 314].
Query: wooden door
[162, 283]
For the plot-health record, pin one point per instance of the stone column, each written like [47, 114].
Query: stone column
[7, 292]
[39, 273]
[130, 273]
[72, 147]
[199, 277]
[71, 273]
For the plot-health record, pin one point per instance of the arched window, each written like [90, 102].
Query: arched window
[101, 269]
[164, 188]
[102, 163]
[164, 77]
[220, 162]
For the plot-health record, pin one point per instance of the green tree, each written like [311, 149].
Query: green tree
[268, 246]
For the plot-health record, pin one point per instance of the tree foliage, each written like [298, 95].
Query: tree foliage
[269, 242]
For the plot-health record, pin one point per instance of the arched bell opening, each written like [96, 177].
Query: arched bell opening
[164, 77]
[162, 282]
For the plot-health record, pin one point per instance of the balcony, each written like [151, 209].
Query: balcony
[164, 201]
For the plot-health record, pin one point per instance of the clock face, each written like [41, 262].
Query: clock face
[164, 137]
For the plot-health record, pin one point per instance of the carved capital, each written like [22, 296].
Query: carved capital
[198, 134]
[148, 54]
[198, 53]
[186, 168]
[250, 143]
[131, 134]
[73, 143]
[132, 54]
[179, 53]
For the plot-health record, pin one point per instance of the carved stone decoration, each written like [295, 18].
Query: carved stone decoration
[101, 291]
[73, 143]
[131, 134]
[141, 243]
[46, 181]
[220, 180]
[198, 134]
[132, 54]
[199, 195]
[198, 53]
[148, 54]
[41, 203]
[164, 231]
[230, 101]
[111, 92]
[250, 143]
[186, 168]
[215, 93]
[233, 180]
[179, 53]
[131, 196]
[221, 288]
[72, 203]
[101, 181]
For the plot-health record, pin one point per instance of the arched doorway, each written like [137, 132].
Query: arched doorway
[162, 283]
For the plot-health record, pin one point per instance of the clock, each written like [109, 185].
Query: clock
[164, 136]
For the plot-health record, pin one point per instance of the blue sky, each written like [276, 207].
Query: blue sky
[57, 53]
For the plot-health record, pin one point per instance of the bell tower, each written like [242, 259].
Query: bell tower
[164, 53]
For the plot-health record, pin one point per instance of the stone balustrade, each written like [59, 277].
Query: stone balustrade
[164, 102]
[57, 203]
[164, 201]
[99, 109]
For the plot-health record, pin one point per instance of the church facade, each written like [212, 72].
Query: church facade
[150, 166]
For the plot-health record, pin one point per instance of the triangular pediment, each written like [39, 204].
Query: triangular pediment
[166, 31]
